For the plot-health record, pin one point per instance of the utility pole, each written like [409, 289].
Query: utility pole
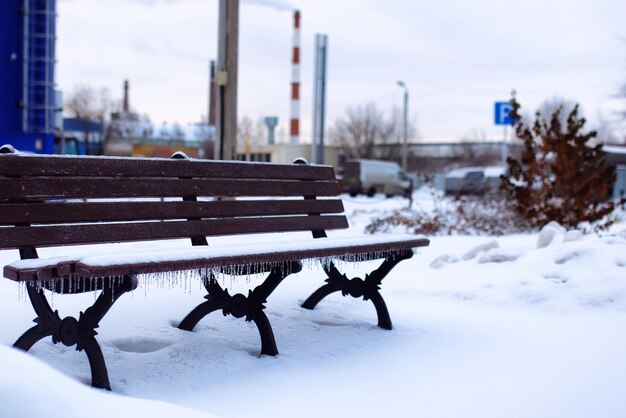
[319, 99]
[226, 80]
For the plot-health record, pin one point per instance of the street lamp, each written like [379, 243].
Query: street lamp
[405, 124]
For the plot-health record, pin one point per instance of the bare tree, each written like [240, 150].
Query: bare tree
[397, 118]
[251, 133]
[259, 136]
[607, 130]
[245, 127]
[89, 106]
[164, 131]
[361, 130]
[622, 94]
[474, 135]
[604, 127]
[206, 135]
[621, 114]
[281, 135]
[177, 132]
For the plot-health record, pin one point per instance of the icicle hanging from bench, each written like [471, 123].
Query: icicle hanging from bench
[184, 278]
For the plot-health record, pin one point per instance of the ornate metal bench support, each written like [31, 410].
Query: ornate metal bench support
[357, 287]
[81, 332]
[239, 306]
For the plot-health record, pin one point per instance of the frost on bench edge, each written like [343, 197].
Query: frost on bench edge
[193, 278]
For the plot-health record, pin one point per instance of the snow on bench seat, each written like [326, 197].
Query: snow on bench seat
[358, 248]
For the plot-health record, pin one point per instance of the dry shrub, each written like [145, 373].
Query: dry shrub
[488, 214]
[561, 175]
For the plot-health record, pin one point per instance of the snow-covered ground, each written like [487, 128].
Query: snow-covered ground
[514, 326]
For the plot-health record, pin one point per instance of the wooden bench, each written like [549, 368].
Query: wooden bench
[54, 201]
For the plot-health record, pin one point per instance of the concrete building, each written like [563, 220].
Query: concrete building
[287, 153]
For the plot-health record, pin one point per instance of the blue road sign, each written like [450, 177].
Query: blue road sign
[502, 111]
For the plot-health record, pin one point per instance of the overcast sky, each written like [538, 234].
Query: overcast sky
[456, 57]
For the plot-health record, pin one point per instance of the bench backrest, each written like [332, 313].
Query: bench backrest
[67, 200]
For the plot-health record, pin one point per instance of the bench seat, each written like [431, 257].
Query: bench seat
[160, 261]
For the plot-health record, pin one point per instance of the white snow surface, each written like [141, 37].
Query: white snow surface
[509, 326]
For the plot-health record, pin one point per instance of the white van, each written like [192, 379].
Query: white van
[373, 176]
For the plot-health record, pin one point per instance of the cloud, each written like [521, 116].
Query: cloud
[146, 2]
[279, 5]
[153, 2]
[274, 4]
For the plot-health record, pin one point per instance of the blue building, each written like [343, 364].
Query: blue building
[27, 59]
[81, 137]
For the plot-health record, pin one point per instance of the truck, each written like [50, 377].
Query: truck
[374, 176]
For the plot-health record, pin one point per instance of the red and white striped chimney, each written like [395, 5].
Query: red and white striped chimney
[294, 126]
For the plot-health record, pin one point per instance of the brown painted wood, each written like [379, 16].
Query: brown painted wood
[74, 267]
[65, 212]
[12, 165]
[98, 187]
[247, 259]
[57, 235]
[43, 203]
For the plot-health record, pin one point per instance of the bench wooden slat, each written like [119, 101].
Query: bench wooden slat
[32, 165]
[45, 236]
[66, 212]
[40, 269]
[100, 187]
[244, 256]
[119, 264]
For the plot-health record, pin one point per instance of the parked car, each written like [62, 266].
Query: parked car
[373, 176]
[473, 180]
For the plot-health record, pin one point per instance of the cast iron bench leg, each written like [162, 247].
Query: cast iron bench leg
[251, 306]
[81, 332]
[357, 287]
[217, 298]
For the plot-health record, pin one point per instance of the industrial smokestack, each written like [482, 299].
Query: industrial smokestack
[126, 106]
[294, 127]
